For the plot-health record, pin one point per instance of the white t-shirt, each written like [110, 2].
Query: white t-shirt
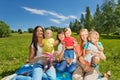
[39, 52]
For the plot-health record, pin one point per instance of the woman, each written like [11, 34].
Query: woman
[35, 56]
[61, 65]
[84, 71]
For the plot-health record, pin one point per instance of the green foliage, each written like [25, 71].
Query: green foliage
[88, 19]
[4, 29]
[30, 30]
[14, 51]
[20, 31]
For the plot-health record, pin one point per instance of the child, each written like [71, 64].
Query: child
[94, 48]
[48, 48]
[69, 43]
[48, 42]
[94, 51]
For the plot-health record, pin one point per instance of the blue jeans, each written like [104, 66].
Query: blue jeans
[38, 73]
[69, 54]
[62, 67]
[21, 77]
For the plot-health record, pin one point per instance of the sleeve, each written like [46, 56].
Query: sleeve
[86, 46]
[100, 44]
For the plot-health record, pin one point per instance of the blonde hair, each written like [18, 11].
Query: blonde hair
[93, 32]
[67, 29]
[83, 30]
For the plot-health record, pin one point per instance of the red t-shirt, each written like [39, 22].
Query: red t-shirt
[69, 41]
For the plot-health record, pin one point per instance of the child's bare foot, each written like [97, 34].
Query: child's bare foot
[108, 74]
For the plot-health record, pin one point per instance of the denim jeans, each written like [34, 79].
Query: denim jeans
[62, 67]
[21, 77]
[38, 73]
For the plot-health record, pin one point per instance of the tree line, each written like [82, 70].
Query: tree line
[105, 20]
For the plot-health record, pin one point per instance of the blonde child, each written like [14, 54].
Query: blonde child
[94, 48]
[94, 52]
[48, 48]
[69, 43]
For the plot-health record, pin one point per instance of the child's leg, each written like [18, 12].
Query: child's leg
[70, 61]
[95, 59]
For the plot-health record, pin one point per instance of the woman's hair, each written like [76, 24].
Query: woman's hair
[59, 32]
[34, 38]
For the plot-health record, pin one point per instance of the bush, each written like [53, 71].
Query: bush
[4, 29]
[116, 33]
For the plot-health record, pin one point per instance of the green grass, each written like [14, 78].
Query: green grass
[14, 52]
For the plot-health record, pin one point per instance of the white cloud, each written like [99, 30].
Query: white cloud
[73, 17]
[45, 12]
[35, 11]
[55, 20]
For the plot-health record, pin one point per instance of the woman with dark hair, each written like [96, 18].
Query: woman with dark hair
[36, 56]
[61, 65]
[37, 59]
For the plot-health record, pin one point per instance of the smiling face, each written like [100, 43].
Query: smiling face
[48, 34]
[68, 32]
[93, 37]
[83, 35]
[39, 32]
[61, 36]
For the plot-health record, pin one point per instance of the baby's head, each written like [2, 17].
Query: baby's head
[93, 36]
[67, 32]
[83, 34]
[48, 33]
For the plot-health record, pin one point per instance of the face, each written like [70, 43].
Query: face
[61, 36]
[83, 35]
[48, 34]
[39, 32]
[68, 32]
[93, 38]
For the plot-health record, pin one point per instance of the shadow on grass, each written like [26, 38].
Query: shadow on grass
[7, 73]
[110, 36]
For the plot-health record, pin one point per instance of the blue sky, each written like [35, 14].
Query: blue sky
[23, 14]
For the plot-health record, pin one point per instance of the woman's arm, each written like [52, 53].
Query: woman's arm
[32, 57]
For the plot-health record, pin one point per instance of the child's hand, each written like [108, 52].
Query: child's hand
[88, 52]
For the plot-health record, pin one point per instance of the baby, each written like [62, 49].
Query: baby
[48, 48]
[69, 43]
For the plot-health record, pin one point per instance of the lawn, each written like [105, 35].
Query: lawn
[14, 52]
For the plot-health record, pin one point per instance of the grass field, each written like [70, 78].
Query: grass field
[14, 52]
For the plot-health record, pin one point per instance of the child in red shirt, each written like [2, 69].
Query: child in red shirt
[69, 43]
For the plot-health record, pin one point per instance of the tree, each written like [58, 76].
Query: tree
[19, 31]
[4, 29]
[30, 30]
[108, 17]
[117, 14]
[82, 20]
[88, 19]
[98, 20]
